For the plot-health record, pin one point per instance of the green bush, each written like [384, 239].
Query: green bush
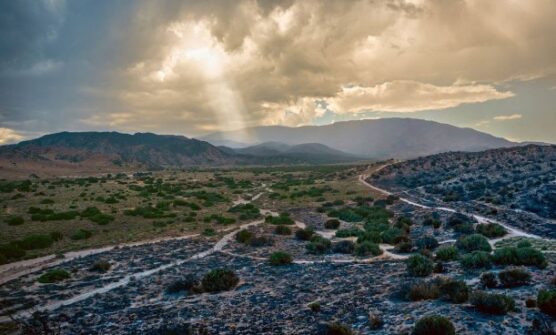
[14, 220]
[491, 230]
[419, 266]
[318, 245]
[474, 242]
[36, 242]
[455, 291]
[447, 253]
[367, 248]
[476, 260]
[53, 276]
[393, 236]
[219, 280]
[422, 290]
[546, 300]
[187, 283]
[11, 251]
[488, 280]
[519, 256]
[81, 234]
[304, 234]
[280, 258]
[514, 277]
[348, 232]
[343, 247]
[370, 236]
[496, 304]
[282, 230]
[244, 236]
[332, 224]
[56, 236]
[434, 325]
[282, 219]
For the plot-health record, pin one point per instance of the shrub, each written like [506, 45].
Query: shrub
[11, 251]
[218, 280]
[186, 283]
[404, 247]
[419, 266]
[282, 230]
[53, 276]
[100, 266]
[519, 256]
[337, 329]
[514, 277]
[530, 303]
[476, 260]
[434, 325]
[343, 247]
[332, 224]
[447, 253]
[371, 236]
[314, 306]
[209, 232]
[260, 241]
[304, 234]
[348, 232]
[496, 304]
[282, 219]
[280, 258]
[81, 234]
[488, 280]
[318, 245]
[14, 220]
[244, 236]
[473, 242]
[491, 230]
[422, 290]
[36, 242]
[427, 242]
[367, 248]
[393, 236]
[546, 300]
[102, 219]
[456, 291]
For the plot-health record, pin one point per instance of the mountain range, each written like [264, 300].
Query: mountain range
[97, 152]
[378, 139]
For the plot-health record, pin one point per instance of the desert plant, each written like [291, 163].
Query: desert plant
[434, 325]
[474, 242]
[427, 242]
[367, 248]
[186, 283]
[476, 260]
[244, 236]
[343, 247]
[14, 220]
[491, 230]
[446, 253]
[304, 234]
[332, 224]
[282, 230]
[36, 242]
[488, 280]
[53, 276]
[546, 300]
[318, 245]
[455, 291]
[337, 329]
[496, 304]
[514, 277]
[419, 266]
[280, 258]
[218, 280]
[81, 234]
[519, 256]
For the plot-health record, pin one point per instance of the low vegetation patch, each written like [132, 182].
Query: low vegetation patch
[434, 325]
[219, 280]
[419, 266]
[53, 276]
[280, 258]
[495, 304]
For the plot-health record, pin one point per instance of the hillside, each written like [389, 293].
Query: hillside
[306, 152]
[107, 151]
[382, 138]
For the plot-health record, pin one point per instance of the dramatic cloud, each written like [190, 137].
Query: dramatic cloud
[198, 66]
[411, 96]
[508, 117]
[9, 136]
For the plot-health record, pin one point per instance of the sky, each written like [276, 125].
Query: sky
[196, 67]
